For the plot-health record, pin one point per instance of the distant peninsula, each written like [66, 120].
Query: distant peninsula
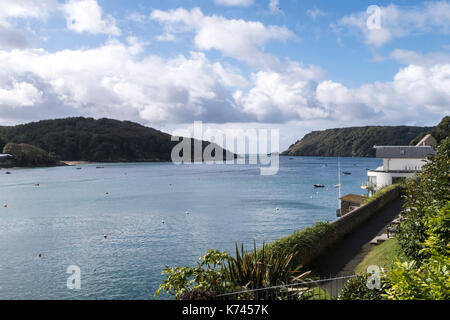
[48, 142]
[359, 141]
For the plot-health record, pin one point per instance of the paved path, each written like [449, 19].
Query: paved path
[342, 259]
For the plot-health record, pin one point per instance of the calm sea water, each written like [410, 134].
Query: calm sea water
[66, 216]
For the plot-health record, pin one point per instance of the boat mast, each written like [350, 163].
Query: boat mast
[339, 183]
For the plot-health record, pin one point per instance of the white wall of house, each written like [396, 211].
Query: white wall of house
[403, 164]
[383, 179]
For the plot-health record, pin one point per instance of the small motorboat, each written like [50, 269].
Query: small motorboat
[319, 186]
[347, 173]
[99, 167]
[7, 172]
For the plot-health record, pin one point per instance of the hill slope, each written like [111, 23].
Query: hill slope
[354, 141]
[86, 139]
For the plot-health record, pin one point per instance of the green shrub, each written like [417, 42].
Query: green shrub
[356, 289]
[424, 235]
[429, 279]
[430, 188]
[196, 294]
[262, 268]
[210, 275]
[303, 240]
[218, 273]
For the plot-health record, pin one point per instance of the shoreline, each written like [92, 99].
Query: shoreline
[75, 163]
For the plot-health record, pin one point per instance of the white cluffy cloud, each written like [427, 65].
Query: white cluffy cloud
[397, 22]
[111, 80]
[86, 16]
[299, 93]
[115, 79]
[416, 58]
[279, 96]
[243, 3]
[19, 94]
[238, 39]
[35, 9]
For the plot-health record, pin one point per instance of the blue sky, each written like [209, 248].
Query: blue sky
[289, 64]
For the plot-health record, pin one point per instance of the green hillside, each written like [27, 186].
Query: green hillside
[354, 141]
[87, 139]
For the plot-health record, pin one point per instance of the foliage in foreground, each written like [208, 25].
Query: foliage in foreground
[430, 189]
[210, 275]
[218, 273]
[357, 289]
[425, 235]
[429, 278]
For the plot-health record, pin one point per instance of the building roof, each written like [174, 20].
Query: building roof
[428, 140]
[354, 198]
[404, 152]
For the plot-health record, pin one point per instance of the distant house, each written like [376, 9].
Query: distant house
[350, 202]
[428, 140]
[400, 162]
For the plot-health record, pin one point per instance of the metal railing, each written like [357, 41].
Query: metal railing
[323, 289]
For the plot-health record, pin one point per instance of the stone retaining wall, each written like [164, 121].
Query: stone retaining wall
[346, 224]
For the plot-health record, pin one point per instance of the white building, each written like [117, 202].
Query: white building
[400, 162]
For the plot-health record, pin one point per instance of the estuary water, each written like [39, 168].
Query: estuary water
[141, 207]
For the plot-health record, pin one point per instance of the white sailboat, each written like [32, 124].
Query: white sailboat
[339, 185]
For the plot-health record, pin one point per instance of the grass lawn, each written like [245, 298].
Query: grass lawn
[382, 255]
